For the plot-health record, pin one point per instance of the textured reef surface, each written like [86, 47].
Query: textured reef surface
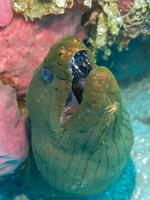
[13, 138]
[6, 11]
[108, 21]
[25, 44]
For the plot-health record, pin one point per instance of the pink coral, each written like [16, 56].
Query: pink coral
[13, 137]
[25, 44]
[6, 12]
[125, 6]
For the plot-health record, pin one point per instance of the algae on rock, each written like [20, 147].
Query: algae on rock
[109, 22]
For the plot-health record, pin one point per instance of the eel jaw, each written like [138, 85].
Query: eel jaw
[80, 68]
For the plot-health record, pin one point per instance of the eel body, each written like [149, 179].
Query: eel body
[81, 134]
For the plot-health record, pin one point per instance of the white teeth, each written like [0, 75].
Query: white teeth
[75, 66]
[73, 59]
[85, 54]
[70, 67]
[83, 64]
[80, 65]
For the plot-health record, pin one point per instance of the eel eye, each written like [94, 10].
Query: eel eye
[47, 75]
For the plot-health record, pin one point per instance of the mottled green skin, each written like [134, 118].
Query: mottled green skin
[87, 154]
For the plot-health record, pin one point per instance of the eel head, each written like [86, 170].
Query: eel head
[81, 133]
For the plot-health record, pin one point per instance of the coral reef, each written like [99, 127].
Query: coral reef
[13, 136]
[37, 9]
[109, 21]
[117, 22]
[24, 44]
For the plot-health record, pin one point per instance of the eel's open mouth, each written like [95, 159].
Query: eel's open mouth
[80, 68]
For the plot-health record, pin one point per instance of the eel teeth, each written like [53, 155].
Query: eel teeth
[80, 65]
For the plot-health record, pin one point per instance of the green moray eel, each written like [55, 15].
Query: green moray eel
[81, 133]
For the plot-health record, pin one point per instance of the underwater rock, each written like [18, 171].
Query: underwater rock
[6, 12]
[13, 136]
[108, 22]
[37, 9]
[25, 44]
[118, 22]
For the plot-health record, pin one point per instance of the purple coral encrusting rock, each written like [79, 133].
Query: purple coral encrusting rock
[13, 138]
